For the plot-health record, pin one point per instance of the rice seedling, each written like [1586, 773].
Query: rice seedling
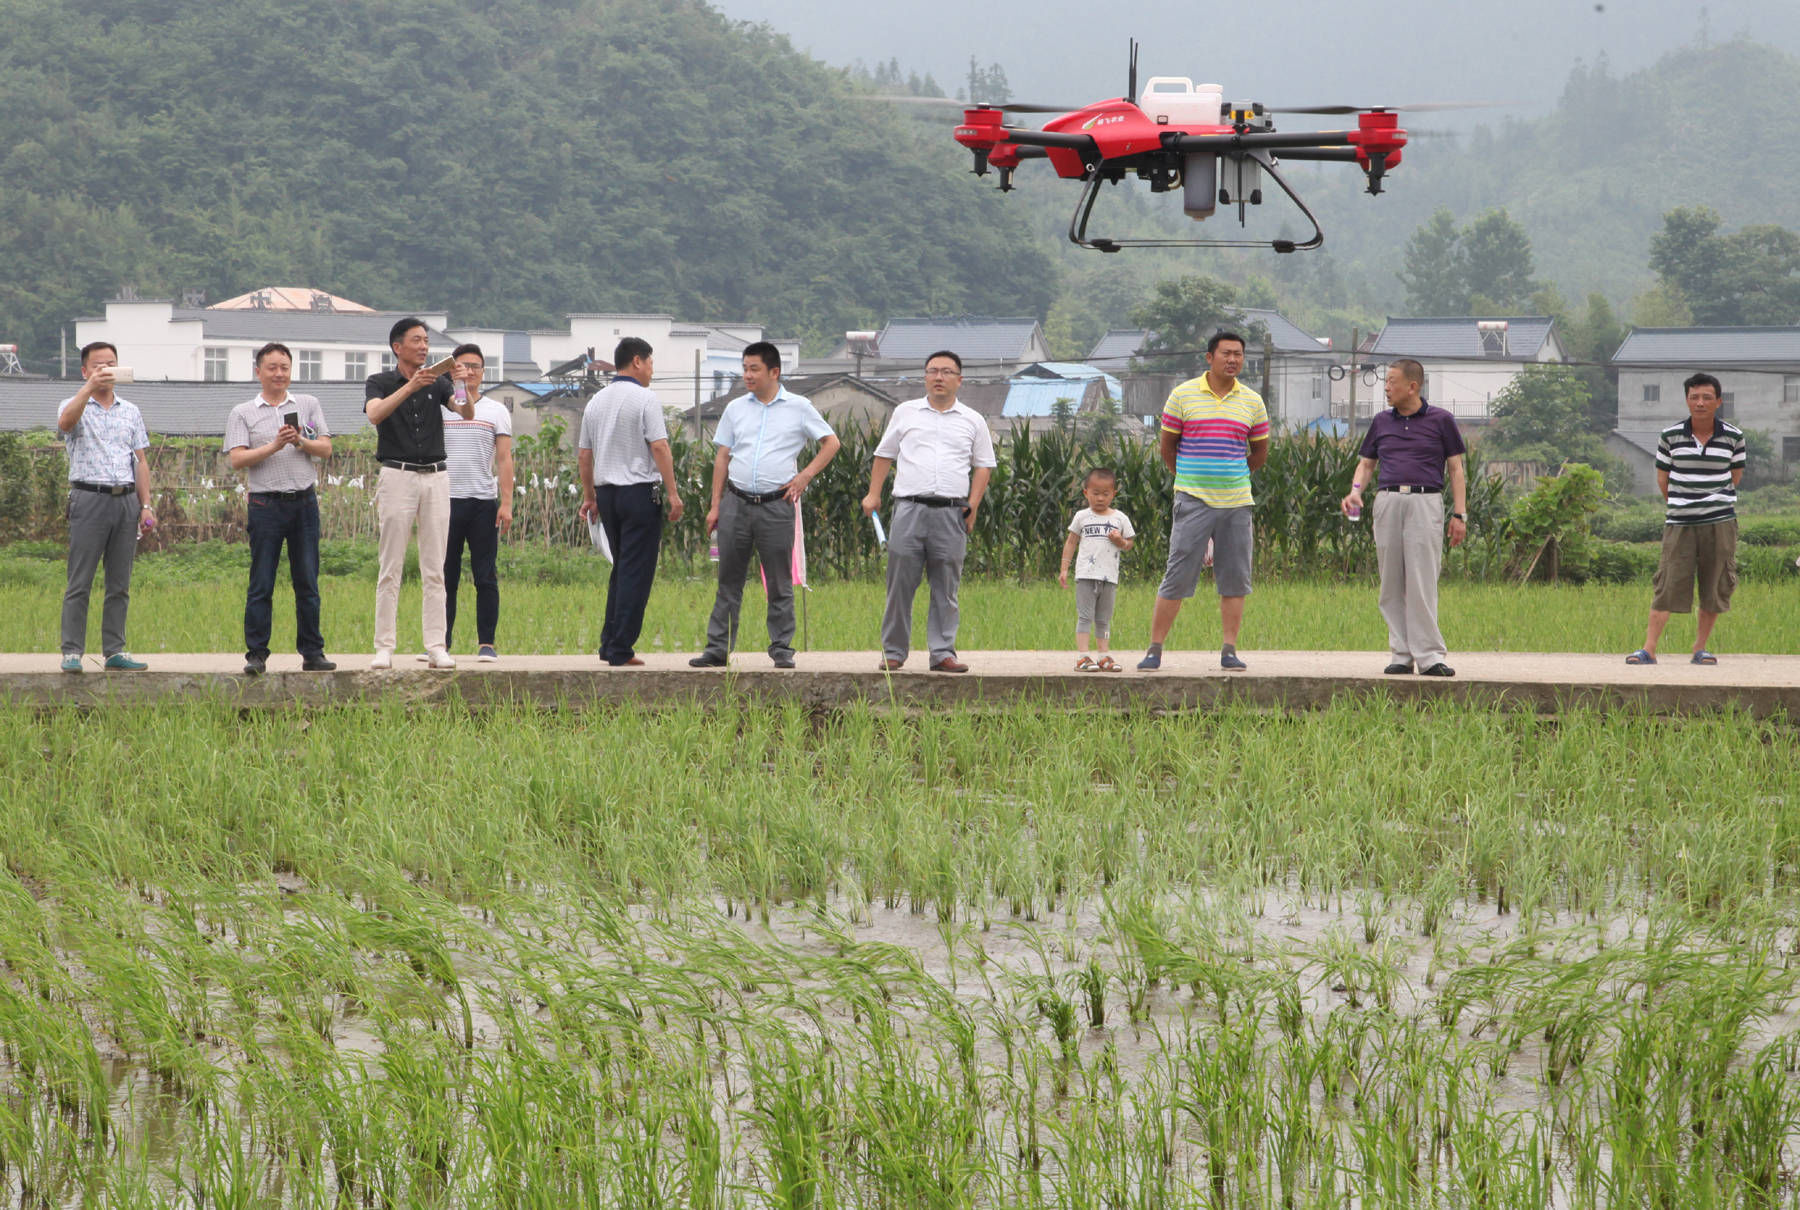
[1372, 955]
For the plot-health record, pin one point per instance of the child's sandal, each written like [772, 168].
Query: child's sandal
[1107, 664]
[1085, 664]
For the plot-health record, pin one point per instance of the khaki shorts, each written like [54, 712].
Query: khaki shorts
[1703, 553]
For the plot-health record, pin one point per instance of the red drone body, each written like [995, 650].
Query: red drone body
[1179, 136]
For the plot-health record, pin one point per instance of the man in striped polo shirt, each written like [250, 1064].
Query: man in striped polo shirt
[1699, 464]
[1215, 431]
[479, 452]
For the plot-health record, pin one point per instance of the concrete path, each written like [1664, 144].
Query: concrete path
[1761, 685]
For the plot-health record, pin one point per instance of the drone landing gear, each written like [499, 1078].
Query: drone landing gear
[1090, 193]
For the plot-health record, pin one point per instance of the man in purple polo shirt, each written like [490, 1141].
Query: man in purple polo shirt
[1416, 447]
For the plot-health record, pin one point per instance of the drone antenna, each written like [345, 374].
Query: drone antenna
[1131, 85]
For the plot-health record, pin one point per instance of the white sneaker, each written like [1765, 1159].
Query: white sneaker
[423, 658]
[439, 658]
[383, 659]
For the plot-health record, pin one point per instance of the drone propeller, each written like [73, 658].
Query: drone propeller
[1420, 107]
[953, 103]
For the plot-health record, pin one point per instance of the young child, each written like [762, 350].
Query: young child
[1096, 536]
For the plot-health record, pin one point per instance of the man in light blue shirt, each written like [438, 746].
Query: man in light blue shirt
[755, 491]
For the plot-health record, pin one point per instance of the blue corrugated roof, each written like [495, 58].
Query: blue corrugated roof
[1072, 371]
[1038, 396]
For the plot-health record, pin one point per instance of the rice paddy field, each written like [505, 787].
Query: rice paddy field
[1369, 956]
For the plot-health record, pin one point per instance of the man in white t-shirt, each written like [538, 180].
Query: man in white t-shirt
[481, 501]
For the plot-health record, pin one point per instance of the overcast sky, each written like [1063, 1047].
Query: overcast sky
[1294, 52]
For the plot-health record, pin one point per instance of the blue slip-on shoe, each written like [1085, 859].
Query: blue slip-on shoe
[1640, 656]
[71, 663]
[1150, 663]
[122, 662]
[1229, 661]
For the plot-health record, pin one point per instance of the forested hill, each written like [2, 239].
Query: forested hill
[1717, 126]
[508, 161]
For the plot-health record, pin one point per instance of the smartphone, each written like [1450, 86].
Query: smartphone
[443, 367]
[291, 419]
[123, 374]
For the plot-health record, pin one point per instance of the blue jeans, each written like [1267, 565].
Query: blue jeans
[273, 521]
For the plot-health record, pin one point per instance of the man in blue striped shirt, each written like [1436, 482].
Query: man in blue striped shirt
[1699, 464]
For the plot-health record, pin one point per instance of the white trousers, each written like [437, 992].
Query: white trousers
[401, 499]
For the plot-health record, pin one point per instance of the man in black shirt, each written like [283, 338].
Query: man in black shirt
[406, 405]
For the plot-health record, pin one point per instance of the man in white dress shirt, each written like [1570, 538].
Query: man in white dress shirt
[942, 456]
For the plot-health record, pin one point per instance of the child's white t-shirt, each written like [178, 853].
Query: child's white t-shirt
[1097, 558]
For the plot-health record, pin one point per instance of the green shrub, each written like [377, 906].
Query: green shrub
[1630, 523]
[1624, 562]
[1768, 531]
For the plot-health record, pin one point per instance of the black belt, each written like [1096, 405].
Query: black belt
[1407, 489]
[304, 493]
[422, 468]
[756, 497]
[105, 489]
[938, 501]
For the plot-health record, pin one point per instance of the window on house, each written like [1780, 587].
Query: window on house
[1725, 401]
[1652, 392]
[1790, 450]
[1318, 384]
[356, 367]
[387, 361]
[214, 365]
[720, 381]
[310, 367]
[1790, 388]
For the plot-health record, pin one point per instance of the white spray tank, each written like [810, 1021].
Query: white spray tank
[1178, 101]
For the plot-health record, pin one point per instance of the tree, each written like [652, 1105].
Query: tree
[1181, 316]
[1747, 277]
[1434, 276]
[1496, 255]
[1483, 267]
[1538, 411]
[1661, 306]
[986, 84]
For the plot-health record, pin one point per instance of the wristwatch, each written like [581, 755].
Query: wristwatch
[1458, 517]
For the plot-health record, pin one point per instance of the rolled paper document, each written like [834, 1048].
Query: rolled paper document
[880, 533]
[597, 535]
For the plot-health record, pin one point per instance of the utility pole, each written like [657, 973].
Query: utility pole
[1268, 360]
[1355, 340]
[62, 357]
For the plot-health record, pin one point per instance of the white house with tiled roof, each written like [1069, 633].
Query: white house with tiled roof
[1759, 369]
[1468, 360]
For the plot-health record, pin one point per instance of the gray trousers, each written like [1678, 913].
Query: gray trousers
[101, 529]
[767, 529]
[929, 542]
[1409, 548]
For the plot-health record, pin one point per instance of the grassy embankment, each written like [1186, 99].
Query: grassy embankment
[191, 599]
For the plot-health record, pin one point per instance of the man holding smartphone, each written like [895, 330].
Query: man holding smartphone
[406, 405]
[273, 439]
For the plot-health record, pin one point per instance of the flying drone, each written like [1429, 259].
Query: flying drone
[1181, 135]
